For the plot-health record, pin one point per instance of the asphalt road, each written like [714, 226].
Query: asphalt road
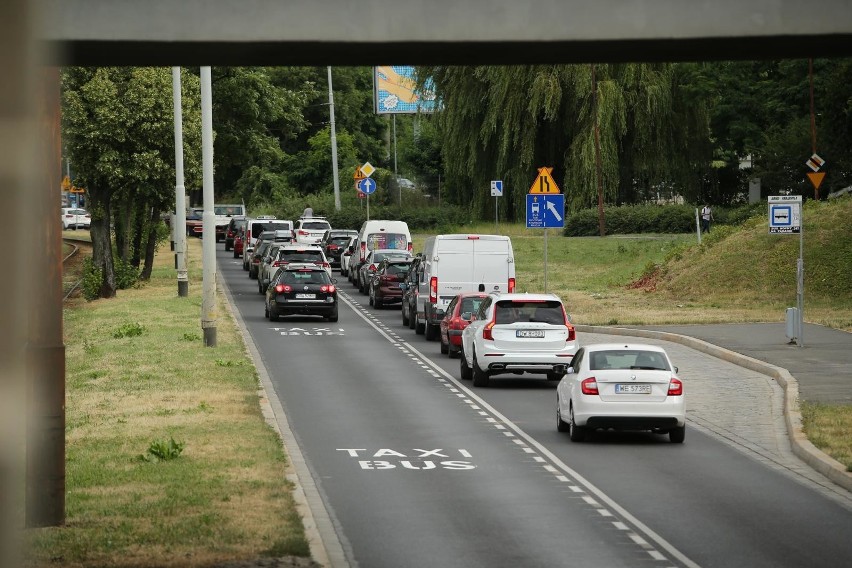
[417, 468]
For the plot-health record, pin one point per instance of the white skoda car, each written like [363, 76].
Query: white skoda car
[623, 386]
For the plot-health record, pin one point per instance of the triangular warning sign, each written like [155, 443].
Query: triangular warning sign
[358, 175]
[544, 182]
[816, 178]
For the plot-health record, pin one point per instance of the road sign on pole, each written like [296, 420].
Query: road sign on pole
[785, 214]
[367, 186]
[544, 182]
[497, 188]
[545, 211]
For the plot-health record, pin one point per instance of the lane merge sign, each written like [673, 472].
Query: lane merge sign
[544, 182]
[497, 188]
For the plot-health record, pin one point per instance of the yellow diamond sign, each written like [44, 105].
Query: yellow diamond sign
[367, 169]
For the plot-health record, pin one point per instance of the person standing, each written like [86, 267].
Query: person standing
[706, 217]
[308, 212]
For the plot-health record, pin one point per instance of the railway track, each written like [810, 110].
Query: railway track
[72, 266]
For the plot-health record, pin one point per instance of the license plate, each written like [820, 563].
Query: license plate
[305, 296]
[529, 333]
[632, 389]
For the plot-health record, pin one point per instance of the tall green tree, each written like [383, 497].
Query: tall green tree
[117, 127]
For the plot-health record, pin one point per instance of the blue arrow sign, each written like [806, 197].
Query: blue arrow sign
[545, 211]
[367, 186]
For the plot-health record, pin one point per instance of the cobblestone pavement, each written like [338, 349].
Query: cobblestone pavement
[740, 407]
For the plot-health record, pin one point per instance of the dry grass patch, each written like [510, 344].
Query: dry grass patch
[138, 374]
[828, 427]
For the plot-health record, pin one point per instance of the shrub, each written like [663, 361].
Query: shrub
[93, 277]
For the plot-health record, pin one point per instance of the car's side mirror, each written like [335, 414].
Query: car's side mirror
[570, 370]
[675, 370]
[467, 316]
[403, 286]
[334, 280]
[570, 319]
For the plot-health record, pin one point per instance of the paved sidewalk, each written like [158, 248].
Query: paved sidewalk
[746, 388]
[822, 366]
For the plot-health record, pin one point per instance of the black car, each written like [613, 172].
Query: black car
[333, 243]
[301, 289]
[409, 291]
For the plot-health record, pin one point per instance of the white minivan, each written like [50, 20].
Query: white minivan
[379, 234]
[452, 264]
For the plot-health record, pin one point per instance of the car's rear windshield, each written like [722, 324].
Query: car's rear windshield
[295, 256]
[305, 277]
[315, 225]
[377, 241]
[339, 241]
[513, 311]
[470, 305]
[258, 228]
[628, 359]
[380, 256]
[400, 269]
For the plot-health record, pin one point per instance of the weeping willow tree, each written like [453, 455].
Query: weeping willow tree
[505, 122]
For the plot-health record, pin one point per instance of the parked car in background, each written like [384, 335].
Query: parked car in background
[236, 224]
[457, 317]
[301, 289]
[369, 267]
[346, 255]
[334, 242]
[623, 386]
[518, 333]
[385, 283]
[310, 230]
[76, 217]
[284, 254]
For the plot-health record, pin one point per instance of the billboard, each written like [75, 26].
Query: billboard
[395, 91]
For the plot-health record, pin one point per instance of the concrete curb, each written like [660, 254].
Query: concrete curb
[802, 447]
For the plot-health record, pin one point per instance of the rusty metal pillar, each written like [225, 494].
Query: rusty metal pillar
[45, 487]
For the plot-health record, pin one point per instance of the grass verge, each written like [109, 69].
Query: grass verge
[169, 460]
[828, 427]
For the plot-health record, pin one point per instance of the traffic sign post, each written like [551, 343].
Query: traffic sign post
[364, 184]
[496, 191]
[785, 218]
[545, 208]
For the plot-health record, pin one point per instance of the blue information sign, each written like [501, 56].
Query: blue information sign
[367, 186]
[545, 211]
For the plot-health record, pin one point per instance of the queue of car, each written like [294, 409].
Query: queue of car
[461, 291]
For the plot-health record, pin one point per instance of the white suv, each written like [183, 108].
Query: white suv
[518, 333]
[310, 230]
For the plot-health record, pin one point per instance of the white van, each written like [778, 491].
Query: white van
[379, 234]
[255, 226]
[452, 264]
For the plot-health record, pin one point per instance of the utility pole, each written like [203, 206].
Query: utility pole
[208, 246]
[395, 175]
[333, 145]
[179, 218]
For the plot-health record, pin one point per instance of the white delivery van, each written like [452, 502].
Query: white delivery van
[452, 264]
[379, 234]
[255, 226]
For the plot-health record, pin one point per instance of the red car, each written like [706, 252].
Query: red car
[239, 239]
[457, 317]
[384, 284]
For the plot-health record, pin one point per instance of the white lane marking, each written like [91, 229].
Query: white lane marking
[619, 510]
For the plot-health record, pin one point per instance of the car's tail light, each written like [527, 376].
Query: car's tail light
[572, 333]
[589, 386]
[281, 263]
[329, 288]
[324, 264]
[486, 331]
[675, 387]
[511, 285]
[410, 246]
[433, 289]
[283, 288]
[333, 247]
[303, 232]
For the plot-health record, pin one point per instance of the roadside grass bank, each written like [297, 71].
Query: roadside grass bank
[169, 461]
[829, 427]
